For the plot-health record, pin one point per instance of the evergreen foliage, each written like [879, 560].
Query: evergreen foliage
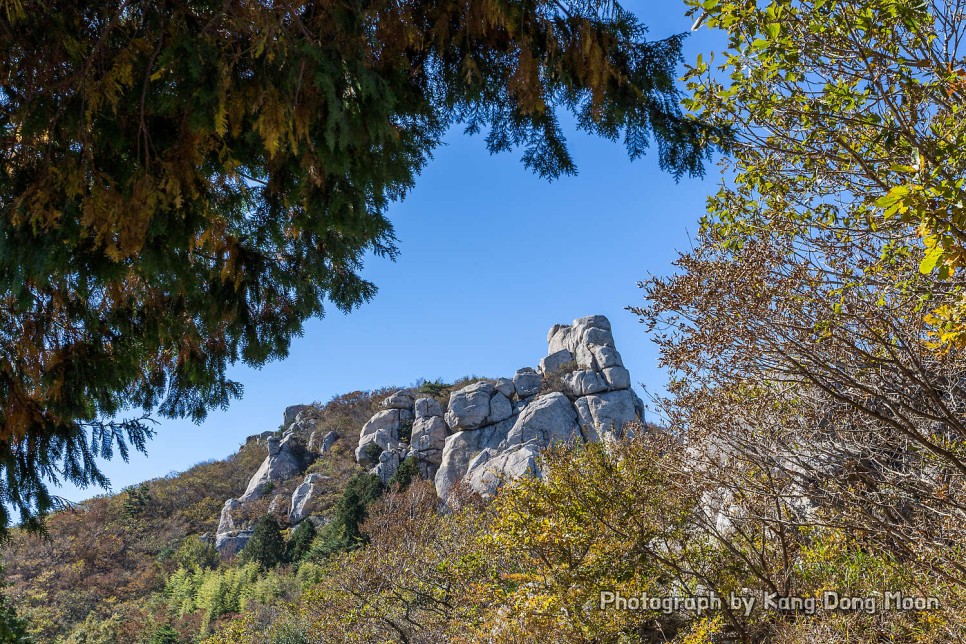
[344, 531]
[13, 628]
[196, 554]
[184, 184]
[165, 635]
[407, 473]
[266, 547]
[300, 542]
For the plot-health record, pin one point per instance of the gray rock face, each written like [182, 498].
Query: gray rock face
[399, 400]
[561, 338]
[283, 462]
[227, 523]
[427, 407]
[606, 413]
[527, 382]
[491, 432]
[389, 462]
[428, 440]
[547, 420]
[583, 382]
[470, 406]
[302, 497]
[461, 448]
[278, 503]
[491, 468]
[597, 357]
[328, 441]
[307, 420]
[555, 361]
[290, 413]
[617, 378]
[230, 544]
[505, 387]
[259, 438]
[500, 408]
[320, 444]
[383, 430]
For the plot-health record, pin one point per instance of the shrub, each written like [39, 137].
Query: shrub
[405, 431]
[436, 388]
[373, 451]
[556, 380]
[301, 541]
[408, 472]
[266, 547]
[165, 635]
[344, 532]
[195, 553]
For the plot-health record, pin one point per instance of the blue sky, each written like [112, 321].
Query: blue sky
[491, 257]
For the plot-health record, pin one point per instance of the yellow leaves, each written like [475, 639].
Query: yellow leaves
[272, 123]
[703, 631]
[107, 90]
[947, 326]
[525, 83]
[894, 201]
[934, 252]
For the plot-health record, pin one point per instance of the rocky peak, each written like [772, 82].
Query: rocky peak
[494, 430]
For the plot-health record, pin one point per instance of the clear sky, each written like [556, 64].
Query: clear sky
[491, 257]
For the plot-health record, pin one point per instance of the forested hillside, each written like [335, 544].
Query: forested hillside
[184, 185]
[103, 565]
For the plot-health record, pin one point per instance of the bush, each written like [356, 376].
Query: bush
[556, 380]
[196, 554]
[301, 541]
[165, 635]
[408, 472]
[405, 431]
[344, 532]
[373, 452]
[266, 547]
[436, 388]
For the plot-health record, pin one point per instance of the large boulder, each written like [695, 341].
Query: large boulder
[230, 544]
[284, 460]
[608, 412]
[491, 468]
[389, 462]
[583, 382]
[527, 382]
[427, 442]
[302, 497]
[469, 406]
[617, 378]
[226, 522]
[505, 386]
[460, 448]
[382, 430]
[555, 361]
[427, 407]
[290, 414]
[597, 357]
[319, 443]
[547, 420]
[561, 338]
[259, 438]
[399, 400]
[500, 408]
